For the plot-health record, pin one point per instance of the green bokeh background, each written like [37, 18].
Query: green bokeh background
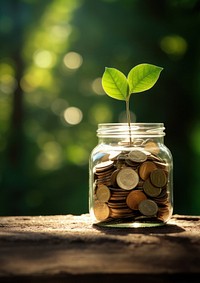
[53, 55]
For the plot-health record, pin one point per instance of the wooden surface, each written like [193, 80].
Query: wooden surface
[70, 249]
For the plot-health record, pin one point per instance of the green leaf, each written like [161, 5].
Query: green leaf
[142, 77]
[115, 84]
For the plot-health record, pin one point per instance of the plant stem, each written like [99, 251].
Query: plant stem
[128, 119]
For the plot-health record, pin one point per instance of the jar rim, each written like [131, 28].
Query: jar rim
[136, 129]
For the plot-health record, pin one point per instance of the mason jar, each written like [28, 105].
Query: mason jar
[131, 176]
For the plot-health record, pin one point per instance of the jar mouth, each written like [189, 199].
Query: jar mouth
[136, 129]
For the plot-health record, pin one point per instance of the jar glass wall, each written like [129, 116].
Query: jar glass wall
[131, 176]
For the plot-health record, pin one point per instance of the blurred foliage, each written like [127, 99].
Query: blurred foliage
[53, 54]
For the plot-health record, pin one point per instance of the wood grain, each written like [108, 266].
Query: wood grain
[70, 249]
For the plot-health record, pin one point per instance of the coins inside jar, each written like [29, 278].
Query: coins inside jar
[137, 156]
[134, 198]
[146, 168]
[151, 190]
[101, 210]
[132, 183]
[127, 178]
[103, 193]
[148, 207]
[158, 178]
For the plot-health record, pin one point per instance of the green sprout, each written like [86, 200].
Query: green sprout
[140, 78]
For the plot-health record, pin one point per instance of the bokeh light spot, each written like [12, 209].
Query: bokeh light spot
[51, 156]
[35, 78]
[7, 68]
[44, 58]
[77, 154]
[97, 86]
[61, 32]
[73, 60]
[100, 113]
[73, 115]
[174, 45]
[59, 105]
[7, 83]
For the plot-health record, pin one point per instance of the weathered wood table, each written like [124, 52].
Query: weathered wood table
[70, 249]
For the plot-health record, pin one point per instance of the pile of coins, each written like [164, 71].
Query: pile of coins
[132, 183]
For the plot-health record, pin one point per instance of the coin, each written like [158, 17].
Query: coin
[103, 193]
[146, 168]
[137, 156]
[164, 213]
[131, 163]
[101, 210]
[120, 212]
[162, 165]
[158, 178]
[121, 157]
[127, 178]
[152, 147]
[104, 166]
[118, 198]
[148, 207]
[151, 190]
[113, 177]
[134, 198]
[117, 204]
[104, 173]
[163, 195]
[154, 158]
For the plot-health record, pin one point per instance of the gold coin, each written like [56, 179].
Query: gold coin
[101, 210]
[150, 190]
[146, 168]
[103, 193]
[137, 156]
[152, 147]
[158, 178]
[134, 198]
[127, 178]
[148, 207]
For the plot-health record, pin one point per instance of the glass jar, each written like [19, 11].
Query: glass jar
[131, 176]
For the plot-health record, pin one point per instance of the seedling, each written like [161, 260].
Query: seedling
[140, 78]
